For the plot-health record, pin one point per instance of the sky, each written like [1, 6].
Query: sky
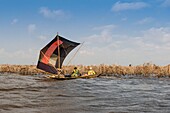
[120, 32]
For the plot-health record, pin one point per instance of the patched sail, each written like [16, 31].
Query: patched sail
[53, 54]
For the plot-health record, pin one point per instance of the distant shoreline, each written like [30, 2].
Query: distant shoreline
[146, 70]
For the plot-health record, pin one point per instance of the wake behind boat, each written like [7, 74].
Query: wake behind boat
[52, 56]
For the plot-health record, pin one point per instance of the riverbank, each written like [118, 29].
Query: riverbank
[145, 70]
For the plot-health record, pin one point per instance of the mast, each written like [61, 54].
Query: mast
[58, 51]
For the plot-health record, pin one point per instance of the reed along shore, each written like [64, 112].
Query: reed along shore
[146, 70]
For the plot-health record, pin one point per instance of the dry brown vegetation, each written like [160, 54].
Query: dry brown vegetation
[20, 69]
[146, 70]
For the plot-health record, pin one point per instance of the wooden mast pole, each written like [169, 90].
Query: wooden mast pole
[58, 51]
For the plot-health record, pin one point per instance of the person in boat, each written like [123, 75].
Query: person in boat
[75, 72]
[91, 71]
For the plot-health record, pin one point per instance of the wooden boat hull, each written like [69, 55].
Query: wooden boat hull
[63, 77]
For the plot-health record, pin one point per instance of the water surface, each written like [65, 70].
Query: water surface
[34, 94]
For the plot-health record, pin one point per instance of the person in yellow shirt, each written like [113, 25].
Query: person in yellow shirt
[75, 72]
[91, 71]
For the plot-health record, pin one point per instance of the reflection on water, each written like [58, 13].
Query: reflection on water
[34, 94]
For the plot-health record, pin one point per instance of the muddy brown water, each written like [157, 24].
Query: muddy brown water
[34, 94]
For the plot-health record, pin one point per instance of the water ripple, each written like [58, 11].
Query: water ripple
[25, 94]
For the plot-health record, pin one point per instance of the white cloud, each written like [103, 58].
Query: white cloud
[31, 28]
[104, 37]
[18, 57]
[51, 13]
[118, 6]
[14, 21]
[17, 54]
[157, 38]
[85, 52]
[124, 19]
[1, 50]
[108, 27]
[166, 3]
[42, 37]
[145, 20]
[152, 46]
